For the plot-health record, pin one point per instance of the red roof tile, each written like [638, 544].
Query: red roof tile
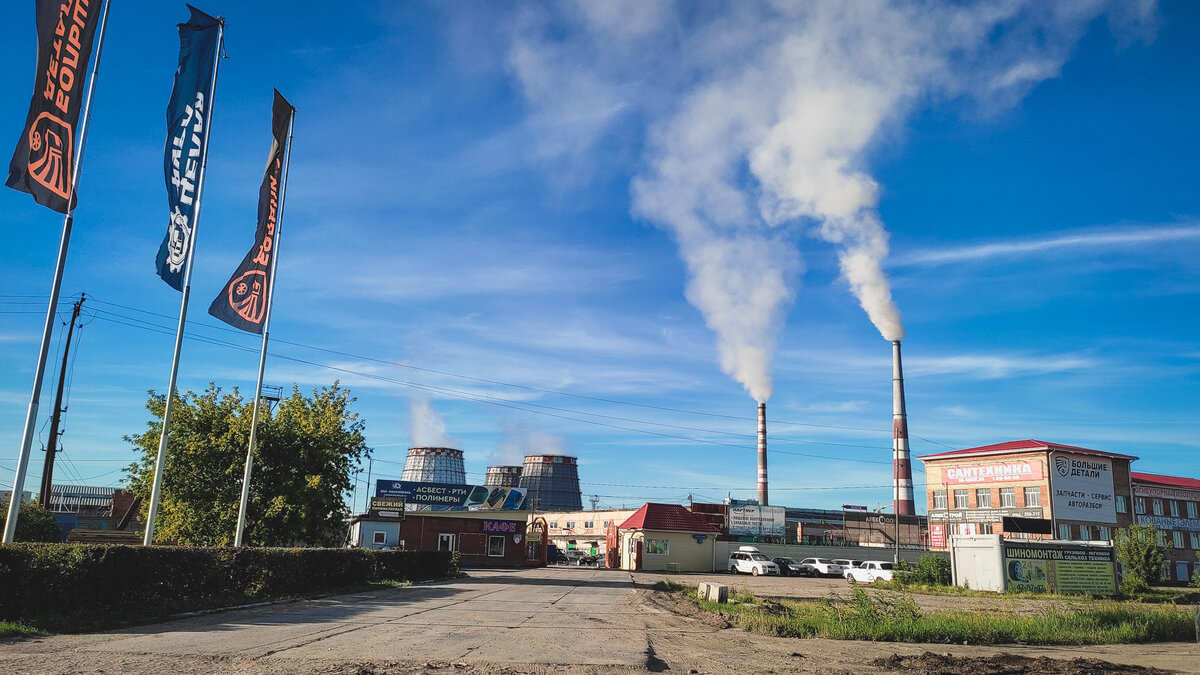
[1159, 479]
[666, 517]
[1016, 446]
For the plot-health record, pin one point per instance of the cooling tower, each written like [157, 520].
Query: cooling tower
[552, 483]
[434, 465]
[762, 454]
[502, 476]
[902, 484]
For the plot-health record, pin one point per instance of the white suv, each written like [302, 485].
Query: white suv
[750, 559]
[821, 567]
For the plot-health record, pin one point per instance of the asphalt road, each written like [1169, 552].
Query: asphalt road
[540, 621]
[566, 615]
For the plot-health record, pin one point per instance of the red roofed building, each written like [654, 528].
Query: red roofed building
[666, 537]
[1170, 503]
[1082, 494]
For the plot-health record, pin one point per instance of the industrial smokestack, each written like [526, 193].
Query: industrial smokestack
[762, 454]
[902, 485]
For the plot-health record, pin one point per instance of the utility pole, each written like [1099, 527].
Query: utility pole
[52, 444]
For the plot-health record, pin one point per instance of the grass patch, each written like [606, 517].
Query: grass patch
[896, 618]
[16, 629]
[1151, 596]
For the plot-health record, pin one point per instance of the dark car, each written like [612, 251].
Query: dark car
[788, 566]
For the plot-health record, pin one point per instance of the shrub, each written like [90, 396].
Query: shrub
[930, 570]
[73, 586]
[34, 523]
[1140, 555]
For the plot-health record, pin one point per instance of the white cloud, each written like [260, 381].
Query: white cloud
[1060, 244]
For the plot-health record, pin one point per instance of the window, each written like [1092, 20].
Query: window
[1161, 538]
[983, 498]
[495, 547]
[1104, 533]
[1085, 532]
[1157, 504]
[658, 546]
[960, 499]
[939, 499]
[1191, 509]
[378, 537]
[446, 542]
[607, 523]
[1064, 531]
[1177, 539]
[1195, 537]
[554, 524]
[570, 524]
[1033, 496]
[1121, 505]
[1139, 505]
[1008, 497]
[589, 524]
[1174, 508]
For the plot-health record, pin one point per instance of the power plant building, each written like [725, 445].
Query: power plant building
[551, 483]
[434, 465]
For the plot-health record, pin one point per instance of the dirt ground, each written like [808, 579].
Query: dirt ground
[675, 635]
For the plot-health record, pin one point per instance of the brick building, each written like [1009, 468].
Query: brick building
[1170, 503]
[1076, 493]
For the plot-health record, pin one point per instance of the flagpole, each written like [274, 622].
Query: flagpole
[14, 504]
[262, 357]
[160, 463]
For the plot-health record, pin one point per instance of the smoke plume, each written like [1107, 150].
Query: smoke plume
[426, 427]
[759, 122]
[518, 440]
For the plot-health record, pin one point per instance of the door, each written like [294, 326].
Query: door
[446, 542]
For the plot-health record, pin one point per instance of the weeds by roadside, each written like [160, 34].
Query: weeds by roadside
[16, 629]
[896, 618]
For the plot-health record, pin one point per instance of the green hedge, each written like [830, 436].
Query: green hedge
[75, 586]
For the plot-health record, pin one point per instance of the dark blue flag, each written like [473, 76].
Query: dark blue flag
[243, 302]
[43, 163]
[188, 115]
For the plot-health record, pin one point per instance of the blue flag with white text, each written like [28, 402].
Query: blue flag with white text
[188, 115]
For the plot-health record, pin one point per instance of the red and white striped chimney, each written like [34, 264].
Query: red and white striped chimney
[762, 454]
[902, 484]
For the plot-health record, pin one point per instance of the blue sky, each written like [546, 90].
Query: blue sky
[597, 228]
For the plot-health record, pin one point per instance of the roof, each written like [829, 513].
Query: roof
[1172, 481]
[1018, 446]
[666, 517]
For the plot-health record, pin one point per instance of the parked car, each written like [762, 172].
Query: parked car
[846, 562]
[870, 570]
[820, 567]
[787, 566]
[750, 559]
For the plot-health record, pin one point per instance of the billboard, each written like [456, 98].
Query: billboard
[1082, 488]
[386, 508]
[1087, 570]
[997, 472]
[752, 519]
[451, 496]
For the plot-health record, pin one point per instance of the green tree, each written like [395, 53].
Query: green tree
[305, 454]
[1140, 555]
[34, 523]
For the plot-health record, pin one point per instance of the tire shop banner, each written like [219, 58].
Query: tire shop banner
[243, 302]
[188, 116]
[43, 163]
[1082, 487]
[452, 496]
[1083, 570]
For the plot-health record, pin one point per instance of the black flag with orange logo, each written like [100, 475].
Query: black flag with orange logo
[43, 163]
[243, 302]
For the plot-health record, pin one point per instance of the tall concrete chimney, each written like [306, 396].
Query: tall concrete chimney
[762, 454]
[902, 484]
